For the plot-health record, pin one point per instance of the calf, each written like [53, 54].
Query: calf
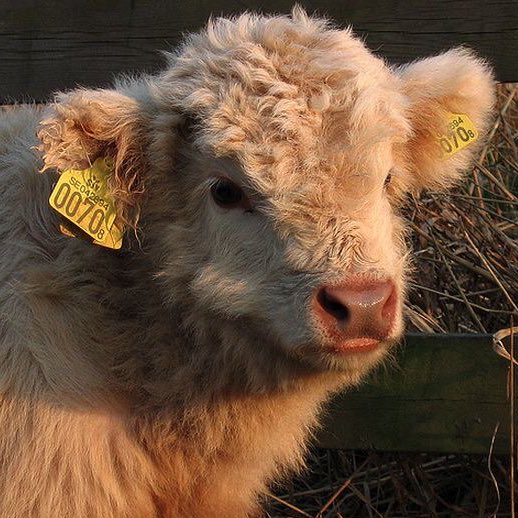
[238, 257]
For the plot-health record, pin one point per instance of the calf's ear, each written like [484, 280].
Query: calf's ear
[456, 82]
[83, 125]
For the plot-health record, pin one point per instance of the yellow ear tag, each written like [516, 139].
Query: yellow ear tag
[460, 133]
[83, 198]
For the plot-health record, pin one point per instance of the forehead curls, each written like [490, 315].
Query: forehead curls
[259, 84]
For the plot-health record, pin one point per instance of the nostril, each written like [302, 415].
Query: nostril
[332, 306]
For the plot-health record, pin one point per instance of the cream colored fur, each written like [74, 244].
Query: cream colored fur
[183, 374]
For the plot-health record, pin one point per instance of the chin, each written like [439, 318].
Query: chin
[359, 359]
[354, 357]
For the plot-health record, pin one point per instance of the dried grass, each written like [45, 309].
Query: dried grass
[466, 280]
[368, 484]
[466, 240]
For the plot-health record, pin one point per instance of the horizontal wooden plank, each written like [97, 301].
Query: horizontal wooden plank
[446, 395]
[53, 45]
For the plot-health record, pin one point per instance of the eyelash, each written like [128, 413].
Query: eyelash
[228, 195]
[388, 179]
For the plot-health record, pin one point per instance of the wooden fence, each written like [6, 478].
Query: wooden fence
[448, 392]
[58, 44]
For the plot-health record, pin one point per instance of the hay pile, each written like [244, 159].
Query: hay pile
[466, 281]
[343, 484]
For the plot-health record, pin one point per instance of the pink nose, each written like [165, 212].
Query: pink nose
[357, 309]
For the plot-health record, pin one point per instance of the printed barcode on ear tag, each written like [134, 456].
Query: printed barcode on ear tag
[460, 133]
[82, 197]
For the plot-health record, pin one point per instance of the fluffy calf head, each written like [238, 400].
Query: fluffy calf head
[273, 153]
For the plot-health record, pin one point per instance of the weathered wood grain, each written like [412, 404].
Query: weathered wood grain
[446, 395]
[58, 44]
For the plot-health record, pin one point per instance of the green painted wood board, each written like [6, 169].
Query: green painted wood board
[446, 394]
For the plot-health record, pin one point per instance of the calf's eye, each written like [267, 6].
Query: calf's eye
[226, 193]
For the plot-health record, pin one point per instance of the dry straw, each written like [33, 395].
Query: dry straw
[466, 240]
